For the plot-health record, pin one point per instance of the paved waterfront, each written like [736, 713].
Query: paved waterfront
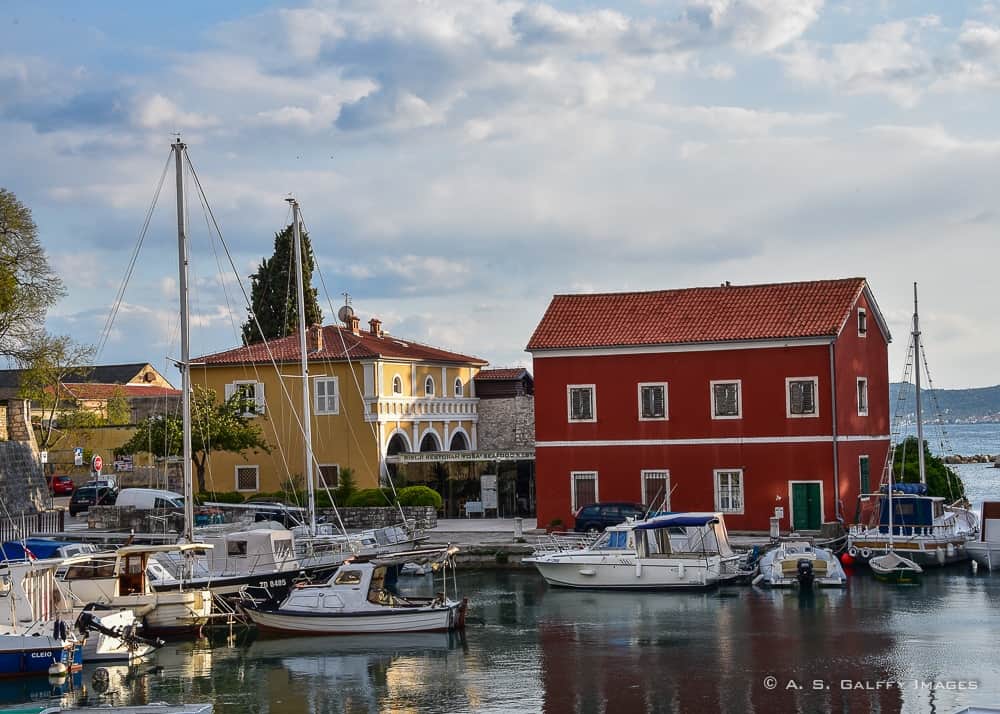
[532, 648]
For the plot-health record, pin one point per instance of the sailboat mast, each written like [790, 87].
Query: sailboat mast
[306, 412]
[185, 359]
[916, 371]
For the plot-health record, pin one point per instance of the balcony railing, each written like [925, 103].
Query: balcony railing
[451, 408]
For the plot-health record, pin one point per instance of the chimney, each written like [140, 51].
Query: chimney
[355, 323]
[314, 338]
[375, 327]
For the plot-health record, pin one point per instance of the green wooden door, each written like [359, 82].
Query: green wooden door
[806, 511]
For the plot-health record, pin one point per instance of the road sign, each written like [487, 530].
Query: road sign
[98, 463]
[43, 456]
[78, 456]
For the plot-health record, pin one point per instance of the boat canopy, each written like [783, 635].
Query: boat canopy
[678, 520]
[30, 548]
[914, 489]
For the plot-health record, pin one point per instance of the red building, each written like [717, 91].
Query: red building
[737, 398]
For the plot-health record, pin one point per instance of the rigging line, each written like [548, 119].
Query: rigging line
[246, 298]
[942, 432]
[120, 295]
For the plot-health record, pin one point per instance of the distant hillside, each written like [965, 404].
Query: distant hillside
[956, 405]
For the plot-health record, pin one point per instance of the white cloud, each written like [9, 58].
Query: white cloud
[158, 112]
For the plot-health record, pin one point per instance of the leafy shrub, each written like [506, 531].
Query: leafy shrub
[420, 496]
[371, 497]
[346, 488]
[218, 497]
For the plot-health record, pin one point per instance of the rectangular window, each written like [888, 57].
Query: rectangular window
[862, 322]
[326, 395]
[726, 400]
[247, 478]
[800, 397]
[580, 402]
[329, 476]
[729, 491]
[863, 470]
[656, 489]
[583, 488]
[862, 396]
[250, 396]
[652, 400]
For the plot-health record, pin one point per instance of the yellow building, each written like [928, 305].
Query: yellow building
[371, 395]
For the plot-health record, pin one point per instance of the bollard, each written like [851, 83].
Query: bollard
[518, 528]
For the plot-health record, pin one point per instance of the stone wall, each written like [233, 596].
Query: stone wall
[130, 518]
[3, 422]
[365, 518]
[22, 483]
[506, 423]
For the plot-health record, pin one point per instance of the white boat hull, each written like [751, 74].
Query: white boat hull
[984, 553]
[169, 613]
[100, 647]
[779, 567]
[425, 619]
[927, 552]
[627, 573]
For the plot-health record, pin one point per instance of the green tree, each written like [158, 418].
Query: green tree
[214, 427]
[941, 480]
[119, 412]
[48, 361]
[28, 287]
[273, 292]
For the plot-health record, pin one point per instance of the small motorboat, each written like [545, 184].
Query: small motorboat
[986, 549]
[358, 599]
[113, 635]
[800, 564]
[894, 568]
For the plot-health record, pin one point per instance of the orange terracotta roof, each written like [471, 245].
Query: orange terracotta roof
[94, 390]
[361, 346]
[697, 315]
[504, 373]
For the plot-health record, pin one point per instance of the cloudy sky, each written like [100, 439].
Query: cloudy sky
[458, 162]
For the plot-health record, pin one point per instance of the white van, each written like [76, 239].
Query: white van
[148, 498]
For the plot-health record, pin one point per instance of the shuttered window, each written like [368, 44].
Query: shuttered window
[653, 400]
[862, 396]
[327, 395]
[581, 402]
[864, 469]
[802, 396]
[250, 397]
[584, 488]
[247, 478]
[656, 489]
[726, 400]
[729, 491]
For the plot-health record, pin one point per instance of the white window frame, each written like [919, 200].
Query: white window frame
[322, 480]
[788, 397]
[666, 401]
[397, 380]
[336, 391]
[459, 387]
[582, 475]
[716, 473]
[858, 392]
[739, 398]
[862, 322]
[655, 473]
[236, 477]
[569, 402]
[258, 395]
[433, 390]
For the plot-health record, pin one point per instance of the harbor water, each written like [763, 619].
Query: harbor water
[529, 647]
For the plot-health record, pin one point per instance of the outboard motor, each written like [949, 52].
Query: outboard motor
[804, 573]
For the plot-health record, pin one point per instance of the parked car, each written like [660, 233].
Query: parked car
[60, 485]
[598, 516]
[87, 496]
[149, 498]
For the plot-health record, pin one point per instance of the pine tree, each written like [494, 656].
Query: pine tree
[273, 292]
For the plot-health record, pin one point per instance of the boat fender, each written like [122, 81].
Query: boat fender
[941, 555]
[852, 551]
[755, 581]
[638, 569]
[951, 550]
[866, 553]
[680, 571]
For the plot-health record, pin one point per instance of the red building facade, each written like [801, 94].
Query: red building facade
[738, 398]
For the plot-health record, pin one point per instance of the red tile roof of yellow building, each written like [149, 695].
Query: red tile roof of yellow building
[698, 315]
[339, 343]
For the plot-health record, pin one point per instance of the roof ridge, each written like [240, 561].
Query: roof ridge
[710, 287]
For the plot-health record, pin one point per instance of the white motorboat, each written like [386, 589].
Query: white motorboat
[120, 579]
[673, 551]
[800, 564]
[986, 549]
[357, 600]
[113, 635]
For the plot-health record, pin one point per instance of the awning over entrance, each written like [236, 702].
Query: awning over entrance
[422, 457]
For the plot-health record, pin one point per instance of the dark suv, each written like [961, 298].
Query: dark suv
[598, 516]
[91, 495]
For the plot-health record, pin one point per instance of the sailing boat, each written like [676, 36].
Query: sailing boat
[929, 531]
[891, 566]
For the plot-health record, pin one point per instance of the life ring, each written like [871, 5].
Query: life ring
[852, 551]
[866, 553]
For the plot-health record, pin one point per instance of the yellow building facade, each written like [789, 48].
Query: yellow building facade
[370, 394]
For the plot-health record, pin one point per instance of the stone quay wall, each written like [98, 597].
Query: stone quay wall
[130, 518]
[22, 483]
[366, 518]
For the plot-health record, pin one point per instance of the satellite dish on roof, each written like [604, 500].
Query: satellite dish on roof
[345, 313]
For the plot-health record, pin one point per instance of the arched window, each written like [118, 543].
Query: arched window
[430, 443]
[429, 386]
[459, 390]
[459, 442]
[397, 385]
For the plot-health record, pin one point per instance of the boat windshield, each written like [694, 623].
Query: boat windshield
[612, 540]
